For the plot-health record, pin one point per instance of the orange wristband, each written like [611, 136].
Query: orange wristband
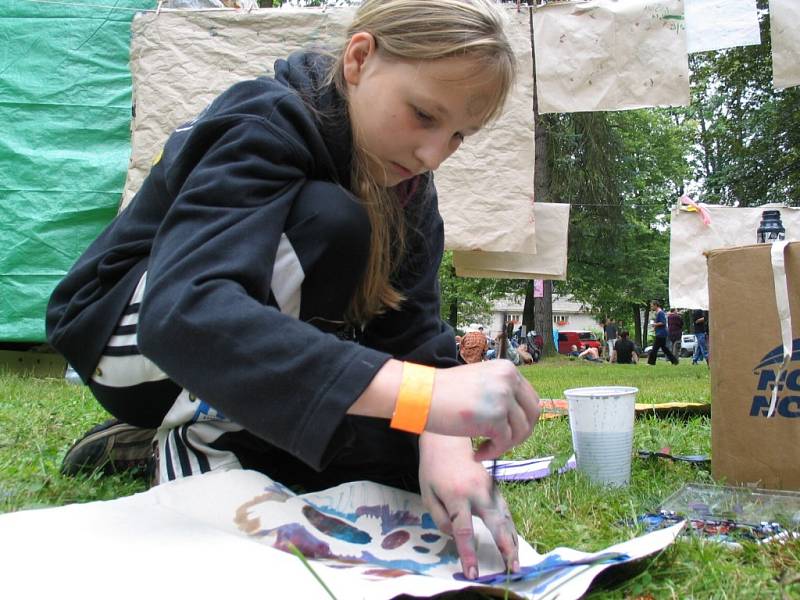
[414, 398]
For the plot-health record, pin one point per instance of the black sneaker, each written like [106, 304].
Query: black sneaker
[111, 447]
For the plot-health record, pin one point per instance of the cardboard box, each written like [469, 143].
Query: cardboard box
[746, 352]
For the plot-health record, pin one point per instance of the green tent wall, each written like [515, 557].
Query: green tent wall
[65, 111]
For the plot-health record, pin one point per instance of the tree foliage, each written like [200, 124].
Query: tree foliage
[738, 144]
[469, 299]
[620, 171]
[747, 149]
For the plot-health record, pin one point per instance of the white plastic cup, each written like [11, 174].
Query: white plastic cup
[601, 420]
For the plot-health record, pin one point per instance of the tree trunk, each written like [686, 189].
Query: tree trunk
[637, 326]
[542, 307]
[527, 309]
[645, 322]
[453, 316]
[502, 345]
[543, 318]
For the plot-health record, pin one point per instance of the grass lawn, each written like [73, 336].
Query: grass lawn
[39, 418]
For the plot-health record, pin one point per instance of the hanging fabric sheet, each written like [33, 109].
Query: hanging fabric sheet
[181, 60]
[549, 262]
[784, 19]
[696, 231]
[609, 55]
[717, 24]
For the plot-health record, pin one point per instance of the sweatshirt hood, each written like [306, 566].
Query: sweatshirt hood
[305, 72]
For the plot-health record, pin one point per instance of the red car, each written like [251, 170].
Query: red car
[580, 339]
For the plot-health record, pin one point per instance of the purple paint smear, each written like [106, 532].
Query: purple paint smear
[527, 469]
[390, 519]
[311, 546]
[395, 539]
[297, 535]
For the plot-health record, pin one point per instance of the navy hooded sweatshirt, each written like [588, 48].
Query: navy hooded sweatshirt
[205, 225]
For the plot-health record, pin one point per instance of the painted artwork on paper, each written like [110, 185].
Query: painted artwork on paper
[382, 533]
[350, 525]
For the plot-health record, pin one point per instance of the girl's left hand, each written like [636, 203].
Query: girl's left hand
[455, 486]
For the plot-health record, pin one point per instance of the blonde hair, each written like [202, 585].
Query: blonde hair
[415, 30]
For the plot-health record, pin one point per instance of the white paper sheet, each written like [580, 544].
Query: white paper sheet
[784, 19]
[690, 239]
[610, 55]
[213, 536]
[717, 24]
[181, 60]
[549, 262]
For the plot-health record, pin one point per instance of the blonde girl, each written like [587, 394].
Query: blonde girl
[269, 299]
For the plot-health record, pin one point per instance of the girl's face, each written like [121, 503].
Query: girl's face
[411, 116]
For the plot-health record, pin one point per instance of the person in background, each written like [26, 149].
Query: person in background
[534, 343]
[700, 332]
[624, 351]
[525, 357]
[660, 340]
[494, 348]
[269, 300]
[591, 353]
[674, 330]
[503, 347]
[474, 346]
[610, 332]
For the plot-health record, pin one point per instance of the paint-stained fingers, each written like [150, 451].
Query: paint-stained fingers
[516, 431]
[500, 524]
[464, 536]
[495, 446]
[521, 416]
[438, 512]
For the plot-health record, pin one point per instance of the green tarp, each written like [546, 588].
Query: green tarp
[65, 111]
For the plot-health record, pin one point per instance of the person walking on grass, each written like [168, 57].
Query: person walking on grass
[610, 333]
[700, 336]
[674, 330]
[269, 299]
[660, 341]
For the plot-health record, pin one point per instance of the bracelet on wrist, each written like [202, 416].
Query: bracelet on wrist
[414, 398]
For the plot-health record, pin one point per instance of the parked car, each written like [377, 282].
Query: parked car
[688, 342]
[646, 353]
[579, 339]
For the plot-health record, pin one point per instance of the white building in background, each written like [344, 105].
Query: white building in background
[568, 315]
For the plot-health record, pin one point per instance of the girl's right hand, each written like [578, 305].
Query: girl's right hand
[490, 399]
